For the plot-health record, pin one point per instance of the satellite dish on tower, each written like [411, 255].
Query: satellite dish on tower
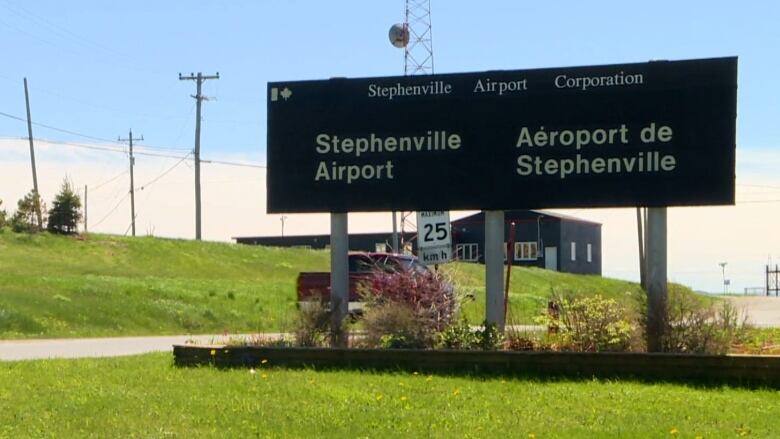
[399, 35]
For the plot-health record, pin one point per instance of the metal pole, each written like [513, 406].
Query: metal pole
[339, 277]
[85, 209]
[656, 277]
[395, 232]
[198, 99]
[494, 266]
[38, 212]
[641, 238]
[132, 185]
[510, 257]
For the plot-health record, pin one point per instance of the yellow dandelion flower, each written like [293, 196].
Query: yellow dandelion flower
[699, 437]
[743, 433]
[531, 435]
[403, 398]
[674, 431]
[379, 397]
[213, 352]
[456, 392]
[429, 378]
[264, 376]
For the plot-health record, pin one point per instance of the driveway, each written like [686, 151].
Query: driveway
[761, 310]
[96, 347]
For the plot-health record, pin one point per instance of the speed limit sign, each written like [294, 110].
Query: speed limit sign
[434, 241]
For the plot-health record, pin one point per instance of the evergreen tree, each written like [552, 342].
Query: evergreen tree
[25, 219]
[65, 212]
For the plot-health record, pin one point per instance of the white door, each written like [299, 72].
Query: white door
[551, 258]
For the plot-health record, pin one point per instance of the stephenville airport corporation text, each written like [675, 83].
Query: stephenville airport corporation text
[331, 147]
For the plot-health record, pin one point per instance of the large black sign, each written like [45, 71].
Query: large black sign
[650, 134]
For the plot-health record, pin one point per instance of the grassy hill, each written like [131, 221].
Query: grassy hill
[99, 285]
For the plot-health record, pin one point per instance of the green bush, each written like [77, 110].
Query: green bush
[3, 216]
[25, 219]
[460, 335]
[589, 324]
[695, 325]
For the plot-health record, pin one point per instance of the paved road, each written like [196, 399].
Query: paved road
[11, 350]
[761, 310]
[94, 347]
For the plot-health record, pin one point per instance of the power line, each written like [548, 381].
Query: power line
[154, 180]
[95, 147]
[112, 210]
[86, 136]
[222, 162]
[74, 133]
[150, 154]
[96, 187]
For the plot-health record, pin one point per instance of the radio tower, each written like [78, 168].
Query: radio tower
[418, 53]
[415, 35]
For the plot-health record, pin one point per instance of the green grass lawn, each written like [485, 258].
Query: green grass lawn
[100, 285]
[54, 286]
[146, 396]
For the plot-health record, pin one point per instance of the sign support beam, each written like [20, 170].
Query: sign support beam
[339, 278]
[494, 268]
[655, 246]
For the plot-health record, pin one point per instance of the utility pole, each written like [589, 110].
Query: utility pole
[85, 209]
[32, 158]
[132, 181]
[199, 78]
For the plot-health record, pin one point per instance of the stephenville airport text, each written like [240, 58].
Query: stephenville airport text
[529, 141]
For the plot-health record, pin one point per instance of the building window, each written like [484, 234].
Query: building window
[573, 251]
[590, 253]
[467, 252]
[380, 247]
[526, 251]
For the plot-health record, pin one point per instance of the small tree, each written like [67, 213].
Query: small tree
[3, 216]
[65, 212]
[25, 219]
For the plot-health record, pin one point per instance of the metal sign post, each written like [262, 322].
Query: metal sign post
[339, 277]
[494, 268]
[656, 277]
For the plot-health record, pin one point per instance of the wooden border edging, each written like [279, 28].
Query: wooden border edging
[739, 369]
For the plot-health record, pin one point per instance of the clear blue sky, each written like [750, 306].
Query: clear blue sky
[99, 67]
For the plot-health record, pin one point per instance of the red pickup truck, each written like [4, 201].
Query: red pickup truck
[362, 268]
